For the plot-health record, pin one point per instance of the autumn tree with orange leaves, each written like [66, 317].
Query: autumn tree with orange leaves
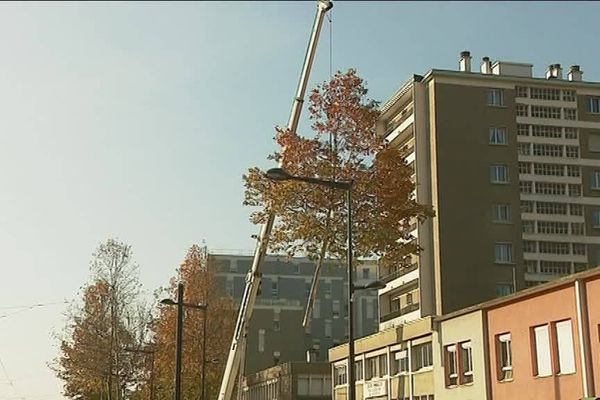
[96, 361]
[201, 286]
[311, 219]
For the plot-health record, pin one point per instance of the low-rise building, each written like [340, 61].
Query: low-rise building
[289, 381]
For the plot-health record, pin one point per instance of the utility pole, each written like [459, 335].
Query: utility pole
[179, 340]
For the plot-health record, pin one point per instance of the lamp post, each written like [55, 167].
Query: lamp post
[279, 174]
[179, 337]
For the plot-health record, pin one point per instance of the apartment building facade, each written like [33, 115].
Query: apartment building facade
[511, 165]
[276, 334]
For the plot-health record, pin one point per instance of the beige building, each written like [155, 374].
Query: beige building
[511, 165]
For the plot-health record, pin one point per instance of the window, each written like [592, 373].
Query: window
[568, 95]
[570, 114]
[574, 190]
[498, 136]
[596, 180]
[547, 150]
[503, 289]
[543, 207]
[276, 357]
[521, 91]
[276, 320]
[546, 131]
[229, 286]
[555, 267]
[371, 368]
[548, 169]
[573, 171]
[545, 112]
[522, 130]
[572, 151]
[466, 363]
[336, 309]
[594, 105]
[525, 187]
[358, 370]
[317, 309]
[307, 288]
[522, 110]
[275, 287]
[495, 97]
[303, 384]
[327, 288]
[554, 248]
[399, 362]
[261, 340]
[596, 219]
[550, 188]
[571, 133]
[422, 356]
[371, 308]
[553, 228]
[524, 149]
[545, 94]
[503, 253]
[501, 213]
[577, 228]
[383, 367]
[451, 365]
[579, 249]
[576, 209]
[528, 226]
[564, 342]
[529, 246]
[499, 174]
[524, 168]
[504, 354]
[365, 273]
[527, 206]
[340, 376]
[327, 328]
[543, 360]
[530, 266]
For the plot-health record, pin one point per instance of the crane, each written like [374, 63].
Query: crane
[237, 349]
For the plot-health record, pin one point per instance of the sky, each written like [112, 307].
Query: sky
[137, 121]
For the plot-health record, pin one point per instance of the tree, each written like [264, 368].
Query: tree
[95, 360]
[200, 283]
[345, 146]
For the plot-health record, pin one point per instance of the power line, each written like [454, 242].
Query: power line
[10, 382]
[21, 309]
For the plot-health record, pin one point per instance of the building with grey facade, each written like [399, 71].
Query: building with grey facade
[276, 334]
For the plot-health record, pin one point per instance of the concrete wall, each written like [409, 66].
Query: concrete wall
[519, 318]
[465, 195]
[453, 331]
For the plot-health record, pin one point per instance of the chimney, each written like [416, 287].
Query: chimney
[554, 71]
[558, 71]
[486, 65]
[575, 73]
[464, 64]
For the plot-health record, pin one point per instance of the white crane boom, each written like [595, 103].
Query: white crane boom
[254, 275]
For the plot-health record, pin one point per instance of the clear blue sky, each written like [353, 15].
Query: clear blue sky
[137, 120]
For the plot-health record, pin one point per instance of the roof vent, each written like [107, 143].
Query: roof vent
[554, 71]
[486, 65]
[464, 63]
[575, 73]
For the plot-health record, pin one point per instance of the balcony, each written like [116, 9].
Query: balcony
[397, 313]
[389, 274]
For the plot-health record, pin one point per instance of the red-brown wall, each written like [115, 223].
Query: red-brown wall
[518, 318]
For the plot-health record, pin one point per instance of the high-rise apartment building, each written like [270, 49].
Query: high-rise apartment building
[511, 165]
[276, 334]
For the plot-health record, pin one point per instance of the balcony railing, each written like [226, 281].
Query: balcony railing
[393, 273]
[403, 311]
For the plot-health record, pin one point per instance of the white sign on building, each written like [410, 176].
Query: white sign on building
[375, 389]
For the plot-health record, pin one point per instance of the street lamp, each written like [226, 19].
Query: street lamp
[279, 174]
[179, 338]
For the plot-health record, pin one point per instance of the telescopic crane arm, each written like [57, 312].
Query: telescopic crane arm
[254, 275]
